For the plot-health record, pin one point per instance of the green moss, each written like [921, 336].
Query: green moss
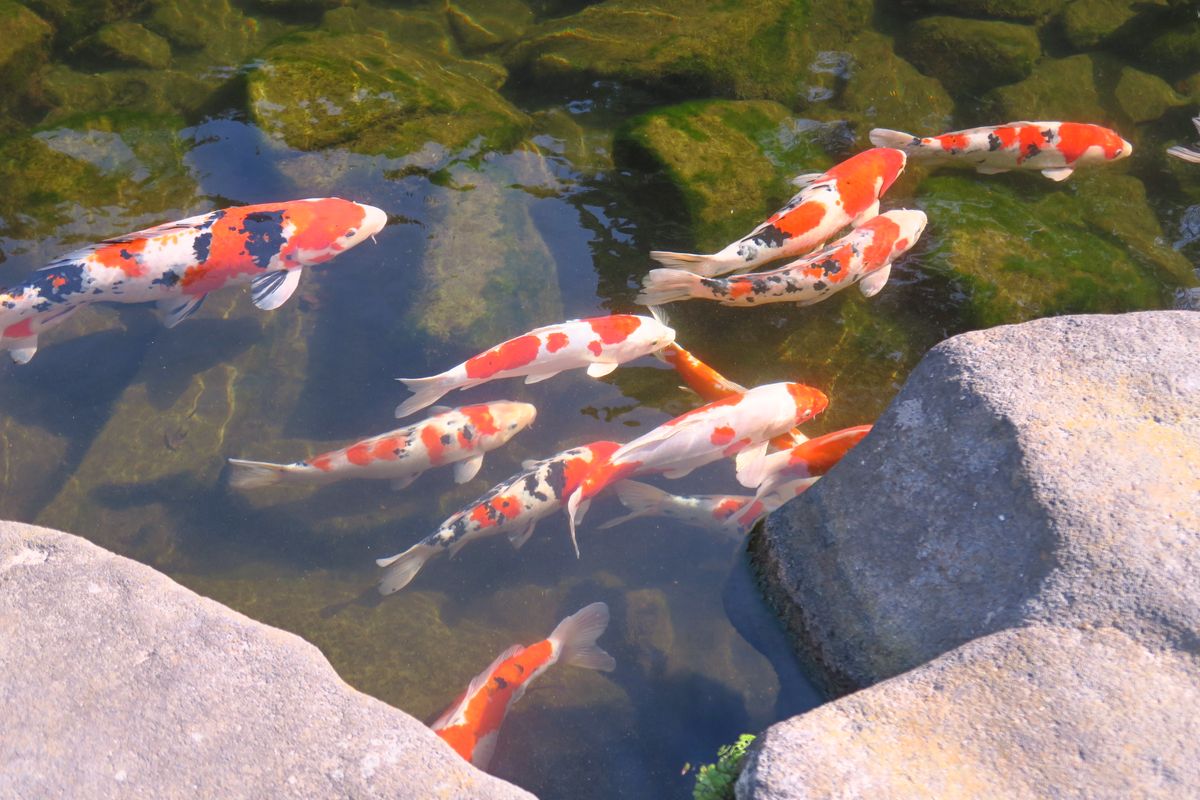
[1177, 49]
[731, 161]
[215, 29]
[74, 19]
[1018, 252]
[318, 90]
[486, 24]
[1090, 23]
[157, 92]
[1032, 10]
[23, 49]
[1063, 88]
[969, 55]
[885, 90]
[1143, 97]
[129, 43]
[715, 781]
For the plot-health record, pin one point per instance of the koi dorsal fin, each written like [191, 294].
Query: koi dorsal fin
[167, 227]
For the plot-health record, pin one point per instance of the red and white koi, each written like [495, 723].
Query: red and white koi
[1187, 153]
[177, 264]
[459, 436]
[737, 426]
[1055, 148]
[863, 256]
[600, 344]
[512, 507]
[792, 472]
[472, 724]
[848, 194]
[709, 511]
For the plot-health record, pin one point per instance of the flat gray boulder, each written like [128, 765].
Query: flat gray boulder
[1031, 713]
[115, 681]
[1047, 472]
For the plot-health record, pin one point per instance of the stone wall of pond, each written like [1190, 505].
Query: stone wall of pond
[1009, 567]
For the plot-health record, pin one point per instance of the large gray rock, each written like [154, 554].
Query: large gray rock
[1027, 713]
[1047, 472]
[117, 682]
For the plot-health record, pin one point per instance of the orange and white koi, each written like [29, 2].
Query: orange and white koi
[512, 507]
[459, 436]
[848, 194]
[1055, 148]
[864, 257]
[737, 426]
[712, 385]
[792, 472]
[708, 511]
[177, 264]
[599, 343]
[1187, 153]
[472, 724]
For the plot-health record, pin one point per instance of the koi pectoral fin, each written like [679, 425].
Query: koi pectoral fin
[518, 538]
[538, 377]
[1058, 173]
[986, 170]
[176, 309]
[21, 350]
[873, 283]
[467, 469]
[866, 215]
[273, 289]
[599, 370]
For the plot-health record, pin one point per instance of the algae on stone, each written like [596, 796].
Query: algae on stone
[1031, 10]
[1143, 97]
[486, 24]
[730, 161]
[1090, 23]
[318, 90]
[146, 91]
[23, 48]
[1063, 88]
[886, 91]
[130, 44]
[969, 55]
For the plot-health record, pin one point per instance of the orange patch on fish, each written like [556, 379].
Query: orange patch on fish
[953, 141]
[595, 347]
[359, 454]
[509, 355]
[882, 241]
[819, 454]
[433, 443]
[480, 417]
[809, 401]
[388, 449]
[1075, 138]
[800, 219]
[857, 177]
[727, 508]
[556, 341]
[320, 224]
[731, 400]
[123, 256]
[322, 462]
[1007, 136]
[614, 329]
[722, 436]
[740, 287]
[19, 330]
[1031, 142]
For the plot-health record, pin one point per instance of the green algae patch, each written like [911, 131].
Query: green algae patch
[1090, 23]
[730, 161]
[71, 93]
[886, 91]
[1029, 10]
[755, 49]
[481, 25]
[127, 43]
[1143, 97]
[969, 55]
[319, 90]
[215, 30]
[1064, 88]
[486, 273]
[23, 49]
[73, 19]
[1018, 252]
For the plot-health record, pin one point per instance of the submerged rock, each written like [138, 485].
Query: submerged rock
[1043, 473]
[1143, 97]
[215, 29]
[156, 690]
[1089, 23]
[969, 55]
[1024, 713]
[1058, 89]
[1032, 10]
[487, 24]
[139, 91]
[24, 47]
[129, 43]
[730, 162]
[1019, 247]
[317, 90]
[884, 90]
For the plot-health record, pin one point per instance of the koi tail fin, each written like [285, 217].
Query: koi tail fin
[426, 392]
[403, 567]
[256, 474]
[576, 638]
[882, 137]
[641, 499]
[705, 265]
[1186, 153]
[668, 285]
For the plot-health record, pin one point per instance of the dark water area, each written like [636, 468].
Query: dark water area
[529, 155]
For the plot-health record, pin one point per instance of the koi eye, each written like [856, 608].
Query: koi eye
[350, 234]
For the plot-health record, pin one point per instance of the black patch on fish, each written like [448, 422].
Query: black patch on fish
[916, 142]
[169, 278]
[1048, 135]
[994, 142]
[468, 432]
[556, 478]
[264, 236]
[42, 306]
[819, 286]
[533, 487]
[830, 266]
[201, 246]
[500, 682]
[59, 284]
[1032, 150]
[715, 285]
[447, 438]
[769, 236]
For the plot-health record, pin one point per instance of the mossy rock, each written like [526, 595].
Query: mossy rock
[969, 55]
[1176, 51]
[319, 90]
[216, 30]
[127, 43]
[886, 91]
[426, 29]
[755, 49]
[1143, 97]
[71, 93]
[1018, 251]
[74, 19]
[557, 134]
[481, 25]
[730, 161]
[1088, 24]
[1028, 10]
[1064, 88]
[486, 274]
[24, 47]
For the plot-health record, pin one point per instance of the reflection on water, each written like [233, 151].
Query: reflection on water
[119, 428]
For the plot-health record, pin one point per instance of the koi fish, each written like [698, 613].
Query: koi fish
[864, 256]
[473, 722]
[1055, 148]
[177, 264]
[792, 472]
[739, 425]
[599, 343]
[1187, 153]
[512, 507]
[712, 385]
[848, 194]
[708, 511]
[458, 436]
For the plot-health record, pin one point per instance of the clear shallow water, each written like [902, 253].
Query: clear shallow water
[118, 429]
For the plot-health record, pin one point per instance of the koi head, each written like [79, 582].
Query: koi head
[809, 401]
[325, 226]
[891, 164]
[512, 416]
[912, 224]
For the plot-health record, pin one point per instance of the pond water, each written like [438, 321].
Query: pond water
[529, 155]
